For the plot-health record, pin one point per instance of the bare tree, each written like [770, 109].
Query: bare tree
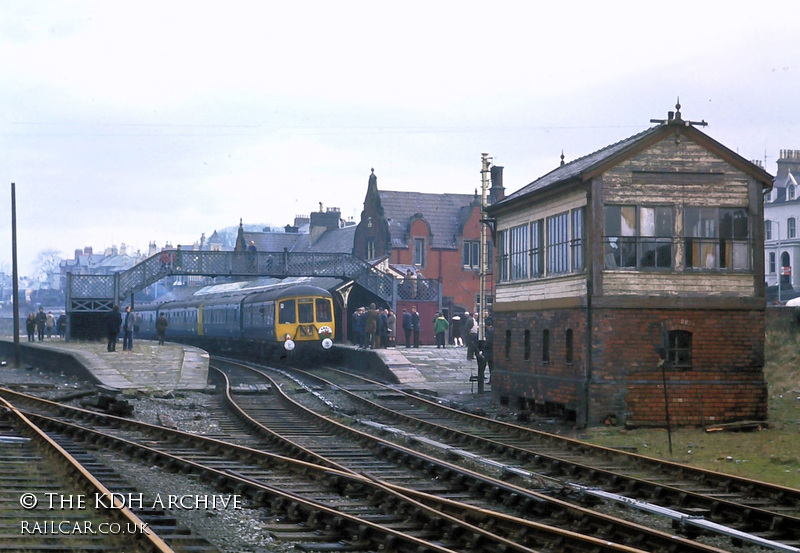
[46, 264]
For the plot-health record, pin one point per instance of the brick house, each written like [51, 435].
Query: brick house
[660, 234]
[437, 234]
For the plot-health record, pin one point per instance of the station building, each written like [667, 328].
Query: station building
[639, 263]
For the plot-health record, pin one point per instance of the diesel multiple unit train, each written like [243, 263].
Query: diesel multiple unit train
[284, 315]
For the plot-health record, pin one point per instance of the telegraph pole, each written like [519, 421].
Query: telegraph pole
[485, 163]
[15, 275]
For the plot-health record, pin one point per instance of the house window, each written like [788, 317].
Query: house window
[558, 244]
[569, 346]
[527, 344]
[772, 263]
[546, 346]
[419, 252]
[790, 192]
[537, 249]
[518, 250]
[471, 254]
[638, 237]
[717, 238]
[370, 248]
[679, 353]
[791, 228]
[768, 230]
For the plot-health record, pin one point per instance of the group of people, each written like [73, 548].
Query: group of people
[44, 324]
[129, 326]
[374, 328]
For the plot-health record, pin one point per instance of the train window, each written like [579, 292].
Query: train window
[323, 310]
[286, 314]
[305, 310]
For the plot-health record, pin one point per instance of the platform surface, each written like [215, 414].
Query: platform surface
[148, 367]
[445, 371]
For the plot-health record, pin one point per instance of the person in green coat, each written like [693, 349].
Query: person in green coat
[440, 326]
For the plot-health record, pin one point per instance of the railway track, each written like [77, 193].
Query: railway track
[52, 499]
[696, 500]
[402, 515]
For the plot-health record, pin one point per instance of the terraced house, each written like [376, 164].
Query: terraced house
[639, 263]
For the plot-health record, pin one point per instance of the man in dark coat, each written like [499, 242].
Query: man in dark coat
[485, 355]
[407, 327]
[41, 320]
[161, 328]
[371, 326]
[383, 328]
[415, 327]
[113, 324]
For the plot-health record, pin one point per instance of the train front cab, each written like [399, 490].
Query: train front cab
[304, 319]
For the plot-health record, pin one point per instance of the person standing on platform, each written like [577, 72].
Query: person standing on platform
[485, 355]
[61, 325]
[415, 326]
[407, 327]
[383, 328]
[161, 328]
[113, 324]
[127, 328]
[440, 329]
[371, 326]
[455, 330]
[41, 320]
[360, 321]
[49, 324]
[472, 336]
[30, 326]
[391, 328]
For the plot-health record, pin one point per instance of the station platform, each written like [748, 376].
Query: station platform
[148, 367]
[445, 373]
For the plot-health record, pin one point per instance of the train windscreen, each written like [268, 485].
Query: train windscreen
[323, 310]
[305, 311]
[287, 315]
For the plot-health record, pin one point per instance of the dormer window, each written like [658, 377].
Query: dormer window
[790, 191]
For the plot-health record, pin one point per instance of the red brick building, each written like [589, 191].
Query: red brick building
[435, 235]
[658, 235]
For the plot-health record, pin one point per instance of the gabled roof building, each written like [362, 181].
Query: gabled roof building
[438, 235]
[782, 235]
[647, 254]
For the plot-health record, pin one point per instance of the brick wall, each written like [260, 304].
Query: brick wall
[724, 383]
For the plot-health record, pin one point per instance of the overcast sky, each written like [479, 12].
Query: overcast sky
[158, 121]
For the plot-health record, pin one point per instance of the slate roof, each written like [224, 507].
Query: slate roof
[332, 241]
[441, 211]
[574, 168]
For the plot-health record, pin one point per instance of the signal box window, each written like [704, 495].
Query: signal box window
[305, 310]
[286, 314]
[679, 353]
[323, 311]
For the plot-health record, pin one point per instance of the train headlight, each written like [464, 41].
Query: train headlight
[327, 343]
[288, 344]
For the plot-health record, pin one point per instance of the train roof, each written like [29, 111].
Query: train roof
[288, 292]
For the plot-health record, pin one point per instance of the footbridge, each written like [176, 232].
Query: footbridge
[98, 293]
